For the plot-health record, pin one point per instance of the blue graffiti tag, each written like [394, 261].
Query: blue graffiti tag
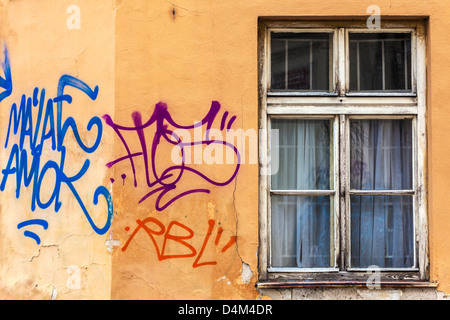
[32, 235]
[49, 132]
[6, 83]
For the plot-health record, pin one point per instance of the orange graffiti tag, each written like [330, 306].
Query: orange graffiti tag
[158, 229]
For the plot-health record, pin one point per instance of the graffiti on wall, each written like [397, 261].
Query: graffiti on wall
[165, 183]
[179, 241]
[38, 126]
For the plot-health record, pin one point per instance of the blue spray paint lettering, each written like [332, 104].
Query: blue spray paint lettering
[6, 83]
[49, 132]
[30, 234]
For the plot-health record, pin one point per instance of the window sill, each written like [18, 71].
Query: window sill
[270, 284]
[297, 93]
[380, 94]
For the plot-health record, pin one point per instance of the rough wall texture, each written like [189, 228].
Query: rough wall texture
[355, 294]
[140, 70]
[71, 260]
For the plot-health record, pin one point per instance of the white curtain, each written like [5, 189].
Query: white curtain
[301, 224]
[381, 226]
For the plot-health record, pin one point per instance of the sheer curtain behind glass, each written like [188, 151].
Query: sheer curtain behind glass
[300, 224]
[382, 231]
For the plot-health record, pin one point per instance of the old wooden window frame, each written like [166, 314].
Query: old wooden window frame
[342, 106]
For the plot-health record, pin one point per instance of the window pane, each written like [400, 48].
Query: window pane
[303, 154]
[397, 55]
[278, 63]
[382, 231]
[369, 69]
[300, 61]
[381, 154]
[301, 228]
[299, 68]
[380, 61]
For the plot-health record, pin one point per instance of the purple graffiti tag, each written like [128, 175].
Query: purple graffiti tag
[162, 119]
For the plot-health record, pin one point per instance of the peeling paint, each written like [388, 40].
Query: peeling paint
[246, 273]
[224, 278]
[110, 243]
[380, 294]
[54, 293]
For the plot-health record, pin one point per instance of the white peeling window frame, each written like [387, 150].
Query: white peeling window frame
[341, 105]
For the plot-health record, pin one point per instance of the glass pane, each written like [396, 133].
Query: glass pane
[380, 61]
[354, 66]
[381, 154]
[382, 231]
[278, 63]
[299, 68]
[303, 154]
[321, 66]
[397, 75]
[370, 66]
[301, 61]
[301, 231]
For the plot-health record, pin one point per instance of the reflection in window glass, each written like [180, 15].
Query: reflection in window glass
[380, 62]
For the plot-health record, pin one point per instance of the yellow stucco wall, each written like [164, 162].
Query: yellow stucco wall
[41, 49]
[185, 54]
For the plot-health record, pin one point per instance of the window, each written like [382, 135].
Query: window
[380, 62]
[301, 61]
[347, 193]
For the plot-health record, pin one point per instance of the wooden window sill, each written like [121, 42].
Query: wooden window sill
[268, 284]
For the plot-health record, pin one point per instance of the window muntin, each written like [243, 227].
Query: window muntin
[380, 62]
[301, 61]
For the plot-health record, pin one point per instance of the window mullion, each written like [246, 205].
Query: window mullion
[343, 177]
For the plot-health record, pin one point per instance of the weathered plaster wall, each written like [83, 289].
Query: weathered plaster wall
[71, 260]
[206, 51]
[198, 55]
[199, 58]
[355, 294]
